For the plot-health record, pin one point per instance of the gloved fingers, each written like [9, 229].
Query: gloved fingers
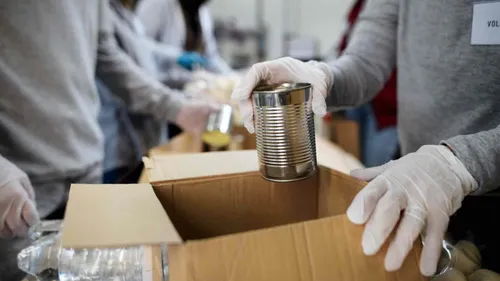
[246, 109]
[275, 72]
[257, 73]
[202, 60]
[14, 219]
[382, 221]
[6, 233]
[20, 230]
[437, 223]
[191, 60]
[30, 214]
[25, 182]
[269, 72]
[408, 230]
[320, 91]
[318, 104]
[366, 200]
[369, 174]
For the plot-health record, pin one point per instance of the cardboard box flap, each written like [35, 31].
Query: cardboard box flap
[325, 249]
[199, 165]
[173, 167]
[110, 216]
[332, 156]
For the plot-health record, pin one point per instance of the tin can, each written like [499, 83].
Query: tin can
[218, 129]
[284, 126]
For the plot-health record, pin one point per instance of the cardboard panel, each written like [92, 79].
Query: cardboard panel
[345, 133]
[144, 177]
[326, 249]
[165, 195]
[174, 167]
[336, 192]
[152, 267]
[249, 139]
[183, 143]
[207, 208]
[188, 143]
[178, 260]
[332, 156]
[107, 216]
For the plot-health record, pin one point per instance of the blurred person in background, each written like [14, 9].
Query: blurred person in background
[51, 51]
[186, 25]
[129, 135]
[448, 119]
[377, 118]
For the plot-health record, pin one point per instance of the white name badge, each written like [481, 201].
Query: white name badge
[485, 23]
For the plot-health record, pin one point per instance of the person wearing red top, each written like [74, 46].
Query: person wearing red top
[377, 120]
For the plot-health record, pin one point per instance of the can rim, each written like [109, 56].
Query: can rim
[281, 88]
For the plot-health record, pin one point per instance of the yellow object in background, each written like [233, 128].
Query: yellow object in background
[467, 257]
[459, 262]
[216, 139]
[465, 264]
[470, 251]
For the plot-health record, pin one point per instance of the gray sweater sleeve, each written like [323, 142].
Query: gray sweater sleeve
[168, 71]
[364, 68]
[480, 153]
[369, 59]
[142, 93]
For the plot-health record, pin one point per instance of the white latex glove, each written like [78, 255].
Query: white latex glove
[17, 201]
[193, 116]
[428, 186]
[318, 74]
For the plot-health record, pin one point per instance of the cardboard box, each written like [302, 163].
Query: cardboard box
[188, 143]
[182, 143]
[331, 153]
[344, 133]
[222, 221]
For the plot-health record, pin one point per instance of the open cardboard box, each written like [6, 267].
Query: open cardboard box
[222, 221]
[328, 152]
[188, 143]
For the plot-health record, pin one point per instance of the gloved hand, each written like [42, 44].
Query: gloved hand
[193, 116]
[17, 201]
[428, 185]
[318, 74]
[190, 59]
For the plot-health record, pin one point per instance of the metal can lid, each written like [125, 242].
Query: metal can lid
[280, 88]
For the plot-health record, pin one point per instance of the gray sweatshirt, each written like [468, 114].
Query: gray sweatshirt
[50, 52]
[448, 89]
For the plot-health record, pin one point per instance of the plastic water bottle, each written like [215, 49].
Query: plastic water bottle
[41, 259]
[164, 262]
[123, 264]
[47, 261]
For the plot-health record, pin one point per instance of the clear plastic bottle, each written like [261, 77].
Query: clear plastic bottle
[164, 259]
[40, 260]
[122, 264]
[47, 261]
